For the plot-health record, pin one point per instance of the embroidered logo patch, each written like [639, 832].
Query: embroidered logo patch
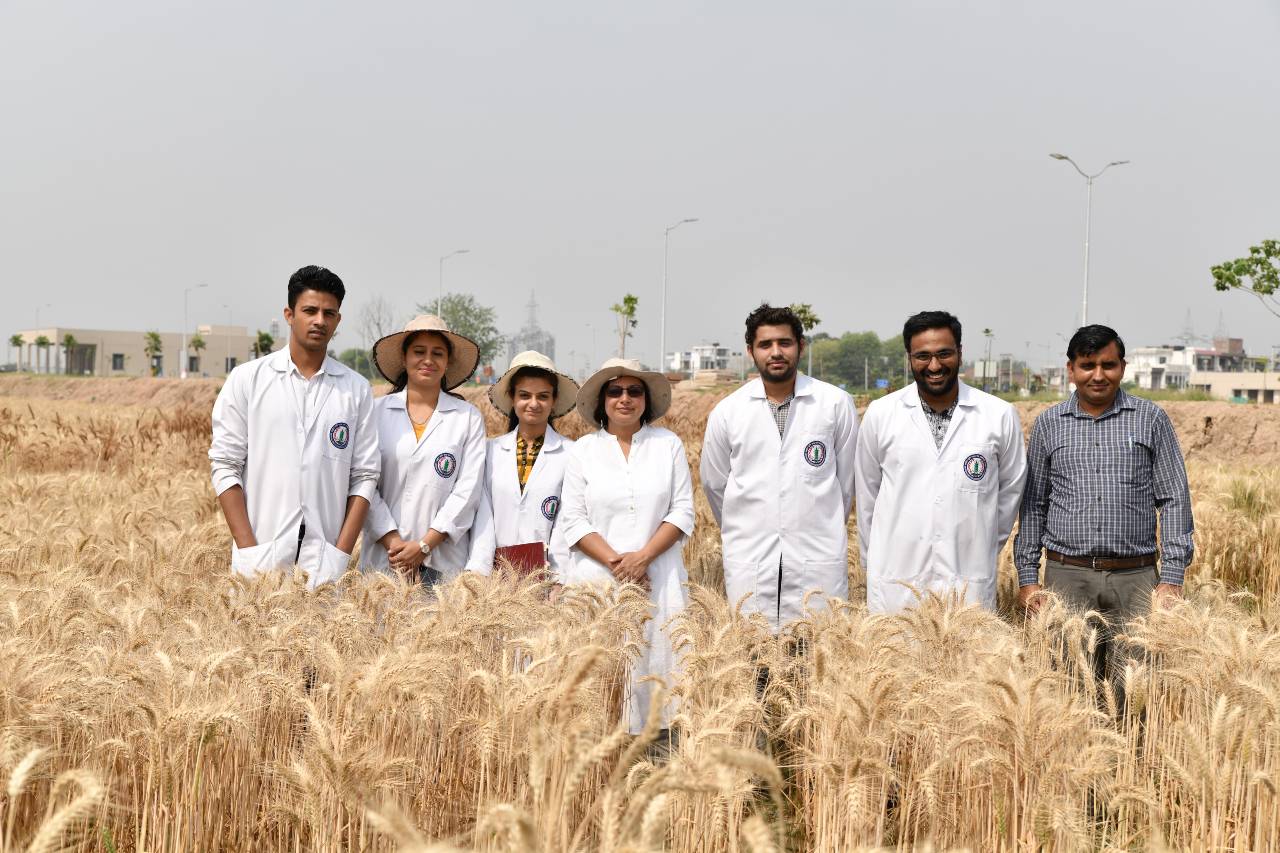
[815, 453]
[446, 464]
[975, 466]
[550, 507]
[340, 435]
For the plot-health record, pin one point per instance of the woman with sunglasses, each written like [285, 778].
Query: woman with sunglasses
[433, 449]
[627, 509]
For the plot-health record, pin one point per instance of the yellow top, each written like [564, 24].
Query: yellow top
[418, 430]
[526, 455]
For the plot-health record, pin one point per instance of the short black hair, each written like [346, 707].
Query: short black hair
[767, 315]
[926, 320]
[603, 420]
[315, 278]
[402, 381]
[1090, 339]
[530, 372]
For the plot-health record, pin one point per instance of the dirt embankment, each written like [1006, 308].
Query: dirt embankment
[1209, 432]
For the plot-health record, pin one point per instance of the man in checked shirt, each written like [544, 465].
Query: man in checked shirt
[1100, 466]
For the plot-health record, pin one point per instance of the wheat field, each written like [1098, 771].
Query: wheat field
[150, 702]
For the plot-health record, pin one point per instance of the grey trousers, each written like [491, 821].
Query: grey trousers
[1119, 595]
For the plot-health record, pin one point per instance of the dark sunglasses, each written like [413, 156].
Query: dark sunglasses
[616, 391]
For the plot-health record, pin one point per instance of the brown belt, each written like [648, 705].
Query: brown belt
[1103, 564]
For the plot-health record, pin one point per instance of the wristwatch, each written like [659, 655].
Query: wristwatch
[426, 549]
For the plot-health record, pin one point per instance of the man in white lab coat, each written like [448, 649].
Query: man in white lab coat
[777, 469]
[295, 450]
[941, 467]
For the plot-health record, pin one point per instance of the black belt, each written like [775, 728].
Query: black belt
[1103, 564]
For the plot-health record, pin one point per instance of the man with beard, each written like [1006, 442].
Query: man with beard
[940, 470]
[777, 469]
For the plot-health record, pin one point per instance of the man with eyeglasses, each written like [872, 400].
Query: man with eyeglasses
[940, 469]
[777, 469]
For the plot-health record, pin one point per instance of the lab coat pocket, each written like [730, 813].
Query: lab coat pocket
[337, 440]
[978, 468]
[253, 560]
[333, 564]
[740, 579]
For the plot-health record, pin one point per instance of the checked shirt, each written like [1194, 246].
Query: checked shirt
[1095, 485]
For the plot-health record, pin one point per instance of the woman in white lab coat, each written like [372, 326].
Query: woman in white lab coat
[524, 468]
[628, 507]
[433, 448]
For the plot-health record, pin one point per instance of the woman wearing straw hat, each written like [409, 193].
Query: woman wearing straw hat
[433, 448]
[524, 469]
[628, 506]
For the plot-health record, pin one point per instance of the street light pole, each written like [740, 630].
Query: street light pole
[443, 258]
[1088, 212]
[986, 364]
[662, 338]
[182, 365]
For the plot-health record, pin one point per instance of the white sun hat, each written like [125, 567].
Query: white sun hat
[566, 388]
[659, 387]
[388, 352]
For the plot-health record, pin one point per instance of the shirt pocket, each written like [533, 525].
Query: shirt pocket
[1132, 463]
[440, 466]
[338, 433]
[977, 468]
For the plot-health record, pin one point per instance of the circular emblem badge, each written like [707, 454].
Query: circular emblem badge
[340, 435]
[975, 467]
[550, 507]
[815, 453]
[446, 464]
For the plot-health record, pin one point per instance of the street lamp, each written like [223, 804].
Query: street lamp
[443, 258]
[986, 365]
[1088, 206]
[666, 243]
[182, 372]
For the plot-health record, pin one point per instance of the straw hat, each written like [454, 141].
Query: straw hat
[658, 385]
[566, 388]
[388, 352]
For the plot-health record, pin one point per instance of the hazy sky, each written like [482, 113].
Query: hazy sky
[871, 158]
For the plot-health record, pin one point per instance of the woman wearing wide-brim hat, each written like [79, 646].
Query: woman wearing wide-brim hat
[524, 470]
[433, 447]
[628, 507]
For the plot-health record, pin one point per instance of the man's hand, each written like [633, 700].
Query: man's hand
[1030, 597]
[1165, 595]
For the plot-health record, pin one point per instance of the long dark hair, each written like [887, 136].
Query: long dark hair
[403, 379]
[530, 372]
[603, 419]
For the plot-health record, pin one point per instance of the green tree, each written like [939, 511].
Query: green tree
[464, 315]
[626, 311]
[357, 358]
[809, 320]
[263, 344]
[68, 347]
[197, 345]
[153, 346]
[1257, 273]
[17, 342]
[42, 346]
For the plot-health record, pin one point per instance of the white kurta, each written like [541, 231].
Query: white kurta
[626, 500]
[508, 516]
[782, 500]
[294, 467]
[937, 519]
[432, 482]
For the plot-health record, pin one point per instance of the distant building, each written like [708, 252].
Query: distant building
[702, 357]
[1224, 371]
[106, 352]
[532, 336]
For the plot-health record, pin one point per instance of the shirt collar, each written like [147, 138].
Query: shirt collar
[282, 361]
[550, 442]
[965, 397]
[1122, 401]
[804, 387]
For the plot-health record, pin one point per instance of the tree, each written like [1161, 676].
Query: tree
[626, 311]
[357, 358]
[68, 346]
[197, 345]
[376, 320]
[154, 348]
[809, 321]
[17, 342]
[464, 315]
[1257, 273]
[263, 344]
[42, 345]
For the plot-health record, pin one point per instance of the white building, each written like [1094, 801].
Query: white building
[702, 357]
[211, 351]
[1159, 368]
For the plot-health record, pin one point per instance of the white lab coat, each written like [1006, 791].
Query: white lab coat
[782, 499]
[507, 516]
[626, 500]
[429, 483]
[294, 470]
[937, 519]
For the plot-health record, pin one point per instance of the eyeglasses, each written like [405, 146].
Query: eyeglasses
[926, 357]
[632, 391]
